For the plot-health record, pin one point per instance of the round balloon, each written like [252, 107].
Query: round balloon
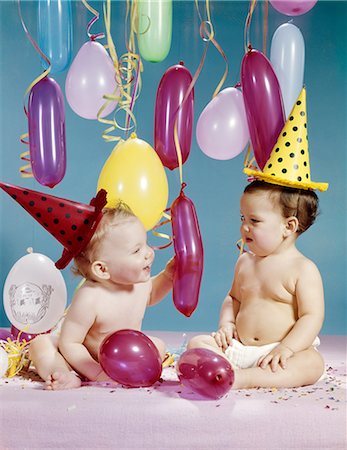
[288, 61]
[23, 336]
[222, 130]
[293, 7]
[54, 23]
[46, 123]
[134, 174]
[205, 372]
[3, 362]
[4, 334]
[154, 29]
[90, 77]
[189, 255]
[34, 294]
[130, 358]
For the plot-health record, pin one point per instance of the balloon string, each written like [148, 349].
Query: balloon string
[247, 43]
[25, 171]
[265, 25]
[91, 36]
[162, 235]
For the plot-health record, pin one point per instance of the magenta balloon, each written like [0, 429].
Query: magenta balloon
[23, 336]
[263, 104]
[90, 77]
[130, 358]
[205, 372]
[189, 255]
[293, 7]
[46, 123]
[4, 334]
[171, 91]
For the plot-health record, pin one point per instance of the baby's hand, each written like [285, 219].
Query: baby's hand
[278, 356]
[224, 335]
[170, 268]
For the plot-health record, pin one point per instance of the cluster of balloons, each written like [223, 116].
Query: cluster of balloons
[34, 296]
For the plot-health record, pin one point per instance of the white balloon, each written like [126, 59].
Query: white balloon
[3, 362]
[34, 294]
[288, 61]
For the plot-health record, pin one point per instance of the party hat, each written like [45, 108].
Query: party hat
[289, 164]
[72, 224]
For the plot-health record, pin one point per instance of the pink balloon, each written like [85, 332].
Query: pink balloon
[222, 130]
[171, 91]
[205, 372]
[263, 104]
[46, 124]
[189, 254]
[23, 336]
[293, 7]
[130, 358]
[4, 334]
[91, 75]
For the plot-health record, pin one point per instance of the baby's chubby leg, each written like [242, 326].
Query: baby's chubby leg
[50, 365]
[205, 341]
[160, 346]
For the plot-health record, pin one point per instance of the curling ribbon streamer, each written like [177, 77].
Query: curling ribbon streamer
[265, 25]
[162, 235]
[25, 171]
[91, 36]
[17, 352]
[247, 43]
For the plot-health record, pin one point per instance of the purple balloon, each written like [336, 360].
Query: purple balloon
[263, 104]
[23, 336]
[4, 334]
[130, 358]
[293, 7]
[171, 91]
[205, 372]
[46, 120]
[189, 254]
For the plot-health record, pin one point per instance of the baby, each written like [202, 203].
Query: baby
[270, 319]
[116, 264]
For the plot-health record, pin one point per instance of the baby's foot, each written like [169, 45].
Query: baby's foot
[63, 380]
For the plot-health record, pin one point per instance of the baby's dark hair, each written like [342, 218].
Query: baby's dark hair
[300, 203]
[111, 217]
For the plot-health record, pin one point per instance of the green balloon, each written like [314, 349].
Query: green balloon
[154, 29]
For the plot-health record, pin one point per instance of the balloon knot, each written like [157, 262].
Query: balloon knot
[133, 135]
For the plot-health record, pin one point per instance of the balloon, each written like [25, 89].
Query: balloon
[34, 294]
[90, 76]
[222, 130]
[189, 254]
[46, 123]
[3, 362]
[154, 29]
[54, 22]
[263, 104]
[293, 7]
[4, 334]
[130, 358]
[22, 335]
[134, 174]
[288, 60]
[205, 372]
[171, 91]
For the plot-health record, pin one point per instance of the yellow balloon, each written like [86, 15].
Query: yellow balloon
[134, 174]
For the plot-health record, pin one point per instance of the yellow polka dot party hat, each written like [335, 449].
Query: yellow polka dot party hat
[289, 162]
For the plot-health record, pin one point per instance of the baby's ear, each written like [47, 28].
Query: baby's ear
[292, 225]
[100, 270]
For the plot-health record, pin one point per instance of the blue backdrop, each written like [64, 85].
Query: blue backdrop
[214, 186]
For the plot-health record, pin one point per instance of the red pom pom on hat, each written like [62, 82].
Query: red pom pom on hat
[71, 223]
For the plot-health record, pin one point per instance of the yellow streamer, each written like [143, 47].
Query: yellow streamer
[17, 352]
[247, 43]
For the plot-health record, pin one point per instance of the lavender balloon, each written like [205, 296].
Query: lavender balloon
[46, 123]
[168, 106]
[293, 7]
[205, 372]
[189, 254]
[130, 358]
[222, 130]
[4, 334]
[263, 104]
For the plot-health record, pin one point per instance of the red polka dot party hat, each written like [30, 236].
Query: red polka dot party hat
[289, 163]
[72, 224]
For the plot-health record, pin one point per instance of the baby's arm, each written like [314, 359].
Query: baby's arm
[310, 302]
[227, 328]
[162, 283]
[78, 321]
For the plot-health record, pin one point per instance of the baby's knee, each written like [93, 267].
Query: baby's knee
[317, 364]
[199, 341]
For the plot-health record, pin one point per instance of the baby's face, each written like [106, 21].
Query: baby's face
[126, 254]
[262, 223]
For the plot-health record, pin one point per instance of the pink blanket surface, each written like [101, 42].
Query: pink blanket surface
[169, 416]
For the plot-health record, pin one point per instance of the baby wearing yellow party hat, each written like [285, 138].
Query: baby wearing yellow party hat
[271, 317]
